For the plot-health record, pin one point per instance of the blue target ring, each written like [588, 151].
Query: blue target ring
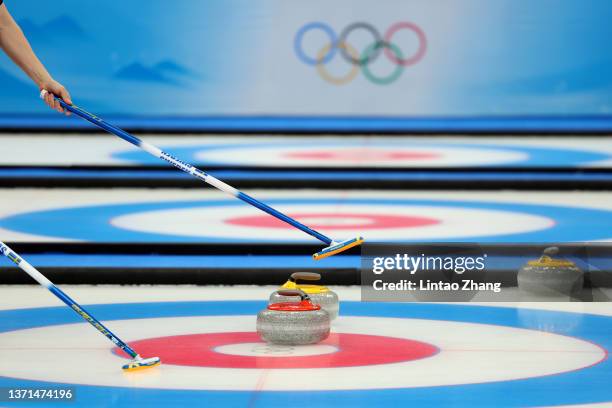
[584, 386]
[93, 223]
[536, 156]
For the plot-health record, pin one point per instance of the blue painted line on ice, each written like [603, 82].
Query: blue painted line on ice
[330, 175]
[564, 124]
[62, 260]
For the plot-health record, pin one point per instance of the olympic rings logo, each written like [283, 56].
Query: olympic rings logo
[357, 60]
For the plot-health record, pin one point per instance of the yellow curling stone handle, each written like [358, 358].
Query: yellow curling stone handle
[307, 276]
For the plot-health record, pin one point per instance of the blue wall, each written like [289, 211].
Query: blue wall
[487, 64]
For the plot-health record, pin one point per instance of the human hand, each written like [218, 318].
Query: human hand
[55, 88]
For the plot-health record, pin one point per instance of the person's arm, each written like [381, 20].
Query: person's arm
[16, 46]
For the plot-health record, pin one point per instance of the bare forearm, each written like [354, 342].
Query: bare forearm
[16, 46]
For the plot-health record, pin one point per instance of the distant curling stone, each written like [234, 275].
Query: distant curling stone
[548, 277]
[319, 294]
[293, 323]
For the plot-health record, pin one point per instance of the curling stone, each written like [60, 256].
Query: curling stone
[319, 294]
[293, 323]
[549, 277]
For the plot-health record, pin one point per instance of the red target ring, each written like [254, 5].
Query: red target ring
[361, 155]
[336, 221]
[198, 350]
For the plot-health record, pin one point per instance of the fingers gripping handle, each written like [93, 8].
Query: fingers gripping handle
[43, 94]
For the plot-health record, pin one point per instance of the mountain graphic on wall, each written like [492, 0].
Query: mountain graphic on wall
[65, 26]
[12, 86]
[140, 72]
[59, 29]
[166, 72]
[173, 68]
[16, 94]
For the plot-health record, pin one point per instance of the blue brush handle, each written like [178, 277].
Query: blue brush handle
[99, 122]
[40, 278]
[92, 320]
[188, 168]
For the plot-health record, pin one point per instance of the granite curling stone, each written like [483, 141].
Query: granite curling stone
[550, 277]
[293, 323]
[319, 294]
